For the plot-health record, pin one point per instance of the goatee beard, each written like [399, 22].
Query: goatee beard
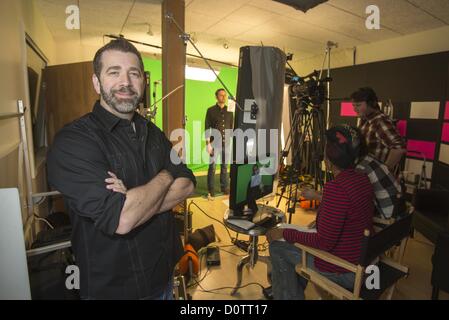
[124, 106]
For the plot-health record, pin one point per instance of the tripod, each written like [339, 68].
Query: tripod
[306, 140]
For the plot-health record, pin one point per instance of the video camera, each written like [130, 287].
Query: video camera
[308, 90]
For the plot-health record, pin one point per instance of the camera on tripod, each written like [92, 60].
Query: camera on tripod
[309, 90]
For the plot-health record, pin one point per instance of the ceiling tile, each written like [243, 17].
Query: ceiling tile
[199, 22]
[400, 16]
[436, 8]
[248, 22]
[216, 8]
[251, 15]
[228, 29]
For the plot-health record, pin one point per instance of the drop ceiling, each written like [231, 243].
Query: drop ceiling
[212, 23]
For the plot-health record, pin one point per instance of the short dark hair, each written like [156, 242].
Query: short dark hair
[121, 45]
[218, 90]
[367, 95]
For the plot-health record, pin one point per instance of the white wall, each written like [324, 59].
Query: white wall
[17, 17]
[432, 41]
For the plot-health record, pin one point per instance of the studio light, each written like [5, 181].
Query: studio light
[194, 73]
[302, 5]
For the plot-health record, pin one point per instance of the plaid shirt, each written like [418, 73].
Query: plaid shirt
[386, 188]
[380, 135]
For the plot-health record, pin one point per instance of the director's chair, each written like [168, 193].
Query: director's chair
[373, 249]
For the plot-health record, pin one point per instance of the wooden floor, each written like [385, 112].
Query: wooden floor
[417, 257]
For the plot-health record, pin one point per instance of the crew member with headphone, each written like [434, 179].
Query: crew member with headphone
[382, 138]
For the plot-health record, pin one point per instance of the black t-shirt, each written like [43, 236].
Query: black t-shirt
[136, 265]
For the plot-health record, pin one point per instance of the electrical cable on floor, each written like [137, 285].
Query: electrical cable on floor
[222, 288]
[208, 270]
[199, 271]
[235, 254]
[225, 245]
[227, 230]
[241, 244]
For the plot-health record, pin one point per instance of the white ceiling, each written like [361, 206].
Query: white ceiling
[247, 22]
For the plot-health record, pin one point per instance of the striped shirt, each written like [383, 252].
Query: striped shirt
[345, 212]
[380, 135]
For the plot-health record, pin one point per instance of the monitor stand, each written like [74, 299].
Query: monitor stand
[243, 213]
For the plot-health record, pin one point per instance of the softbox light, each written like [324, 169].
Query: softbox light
[302, 5]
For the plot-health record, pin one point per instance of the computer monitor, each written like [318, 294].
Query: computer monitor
[249, 182]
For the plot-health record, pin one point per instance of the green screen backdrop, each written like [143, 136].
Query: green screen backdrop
[199, 96]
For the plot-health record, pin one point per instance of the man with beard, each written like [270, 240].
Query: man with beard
[120, 181]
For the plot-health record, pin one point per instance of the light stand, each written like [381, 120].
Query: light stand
[327, 56]
[422, 181]
[186, 38]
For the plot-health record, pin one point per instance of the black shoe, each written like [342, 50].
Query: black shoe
[268, 293]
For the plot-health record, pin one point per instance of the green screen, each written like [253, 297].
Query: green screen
[199, 96]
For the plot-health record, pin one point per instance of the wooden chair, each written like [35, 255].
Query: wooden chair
[373, 248]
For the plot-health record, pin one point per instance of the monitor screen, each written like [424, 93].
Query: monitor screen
[250, 182]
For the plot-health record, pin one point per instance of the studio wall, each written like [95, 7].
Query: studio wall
[418, 88]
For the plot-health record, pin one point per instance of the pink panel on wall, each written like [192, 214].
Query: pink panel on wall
[402, 127]
[425, 147]
[347, 110]
[446, 111]
[445, 133]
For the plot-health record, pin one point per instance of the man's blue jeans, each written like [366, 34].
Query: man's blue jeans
[166, 294]
[287, 284]
[223, 154]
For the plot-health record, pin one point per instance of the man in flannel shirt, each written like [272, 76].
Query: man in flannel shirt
[381, 136]
[387, 190]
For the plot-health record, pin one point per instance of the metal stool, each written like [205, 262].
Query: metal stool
[252, 256]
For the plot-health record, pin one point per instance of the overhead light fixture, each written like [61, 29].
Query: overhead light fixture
[200, 74]
[224, 43]
[302, 5]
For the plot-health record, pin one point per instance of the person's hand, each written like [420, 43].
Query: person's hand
[210, 150]
[274, 234]
[310, 194]
[115, 184]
